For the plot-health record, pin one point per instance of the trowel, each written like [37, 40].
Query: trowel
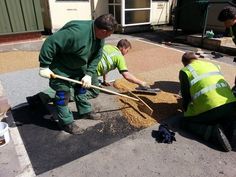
[148, 91]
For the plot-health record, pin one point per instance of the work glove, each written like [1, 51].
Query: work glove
[45, 72]
[86, 81]
[144, 86]
[163, 135]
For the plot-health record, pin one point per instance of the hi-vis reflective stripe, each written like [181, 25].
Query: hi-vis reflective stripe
[209, 88]
[198, 78]
[191, 69]
[104, 65]
[109, 59]
[231, 32]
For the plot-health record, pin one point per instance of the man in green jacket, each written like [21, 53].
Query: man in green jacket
[208, 102]
[74, 51]
[112, 58]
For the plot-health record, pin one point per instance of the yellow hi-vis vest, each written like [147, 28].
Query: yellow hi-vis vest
[208, 89]
[111, 59]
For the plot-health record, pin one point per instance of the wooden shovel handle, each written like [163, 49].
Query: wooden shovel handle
[92, 86]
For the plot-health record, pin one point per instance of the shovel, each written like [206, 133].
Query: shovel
[145, 107]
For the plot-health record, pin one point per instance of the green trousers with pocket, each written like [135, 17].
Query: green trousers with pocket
[83, 106]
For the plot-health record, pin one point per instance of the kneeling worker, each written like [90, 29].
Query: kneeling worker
[112, 58]
[208, 101]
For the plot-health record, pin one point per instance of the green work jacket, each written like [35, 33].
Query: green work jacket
[73, 50]
[208, 89]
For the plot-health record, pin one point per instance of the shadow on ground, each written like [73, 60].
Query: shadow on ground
[174, 124]
[167, 86]
[168, 37]
[48, 147]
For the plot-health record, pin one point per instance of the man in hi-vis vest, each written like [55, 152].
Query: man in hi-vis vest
[208, 101]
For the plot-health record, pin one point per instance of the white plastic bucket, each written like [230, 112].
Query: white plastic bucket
[4, 134]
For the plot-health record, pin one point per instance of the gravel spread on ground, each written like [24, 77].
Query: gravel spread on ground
[164, 105]
[18, 60]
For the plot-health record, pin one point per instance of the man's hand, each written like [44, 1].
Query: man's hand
[45, 72]
[144, 86]
[86, 81]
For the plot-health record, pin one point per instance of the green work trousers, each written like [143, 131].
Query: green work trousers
[201, 125]
[83, 106]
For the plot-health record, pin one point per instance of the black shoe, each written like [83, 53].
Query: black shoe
[36, 104]
[220, 137]
[233, 136]
[230, 132]
[91, 115]
[72, 128]
[34, 101]
[234, 90]
[234, 59]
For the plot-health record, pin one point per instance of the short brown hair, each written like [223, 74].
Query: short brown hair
[124, 43]
[228, 13]
[188, 57]
[106, 21]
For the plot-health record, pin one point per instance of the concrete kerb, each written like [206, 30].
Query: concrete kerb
[16, 149]
[224, 45]
[26, 169]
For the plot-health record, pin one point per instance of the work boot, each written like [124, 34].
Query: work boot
[36, 104]
[72, 128]
[230, 132]
[219, 137]
[233, 136]
[91, 115]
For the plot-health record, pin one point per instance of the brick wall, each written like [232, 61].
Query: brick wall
[19, 37]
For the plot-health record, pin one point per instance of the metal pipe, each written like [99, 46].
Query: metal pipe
[205, 23]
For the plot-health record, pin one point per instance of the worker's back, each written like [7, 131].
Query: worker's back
[111, 59]
[208, 88]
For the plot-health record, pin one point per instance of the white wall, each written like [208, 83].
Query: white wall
[100, 7]
[64, 11]
[160, 12]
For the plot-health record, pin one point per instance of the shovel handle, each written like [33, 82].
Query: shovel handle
[92, 86]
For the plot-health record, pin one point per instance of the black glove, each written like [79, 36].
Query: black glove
[163, 135]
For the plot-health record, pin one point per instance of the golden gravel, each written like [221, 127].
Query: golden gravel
[18, 60]
[164, 105]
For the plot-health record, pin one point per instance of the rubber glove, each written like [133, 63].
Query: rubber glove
[86, 81]
[45, 72]
[144, 86]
